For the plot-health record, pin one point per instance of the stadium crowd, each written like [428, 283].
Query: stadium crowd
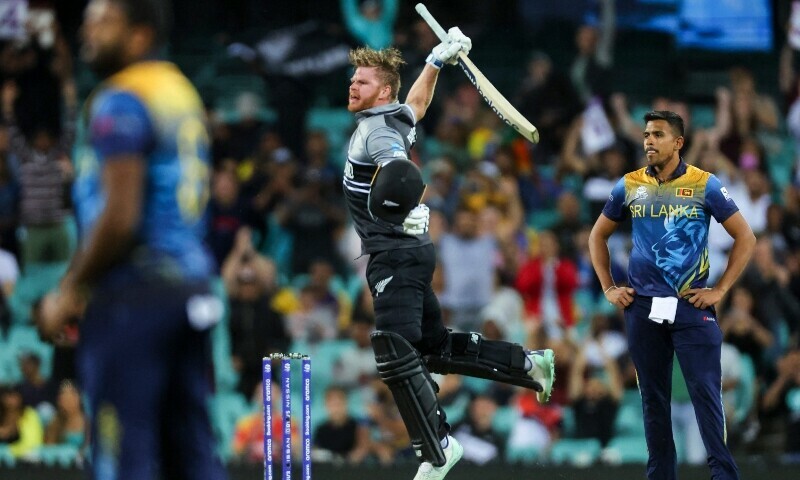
[510, 221]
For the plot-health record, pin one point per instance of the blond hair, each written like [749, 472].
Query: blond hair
[388, 62]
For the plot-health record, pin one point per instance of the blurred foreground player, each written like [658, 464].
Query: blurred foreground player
[140, 278]
[383, 190]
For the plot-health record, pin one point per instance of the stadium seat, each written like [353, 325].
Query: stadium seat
[6, 459]
[703, 116]
[523, 455]
[457, 408]
[225, 377]
[504, 419]
[25, 338]
[629, 419]
[567, 422]
[337, 123]
[63, 456]
[578, 452]
[745, 390]
[626, 449]
[225, 410]
[35, 281]
[278, 246]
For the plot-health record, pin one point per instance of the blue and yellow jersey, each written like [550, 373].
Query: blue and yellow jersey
[150, 109]
[670, 226]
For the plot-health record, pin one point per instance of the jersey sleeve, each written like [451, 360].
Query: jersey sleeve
[384, 145]
[614, 208]
[718, 201]
[121, 125]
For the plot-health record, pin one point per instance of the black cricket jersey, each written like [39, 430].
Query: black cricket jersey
[383, 134]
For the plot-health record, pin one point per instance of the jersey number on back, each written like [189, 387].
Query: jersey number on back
[193, 188]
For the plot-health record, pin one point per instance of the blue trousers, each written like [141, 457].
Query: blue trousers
[696, 339]
[146, 373]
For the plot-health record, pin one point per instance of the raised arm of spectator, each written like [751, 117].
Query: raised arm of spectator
[570, 160]
[230, 267]
[786, 367]
[608, 30]
[627, 127]
[766, 112]
[375, 33]
[723, 113]
[615, 386]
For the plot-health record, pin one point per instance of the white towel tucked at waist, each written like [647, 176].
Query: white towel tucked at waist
[663, 309]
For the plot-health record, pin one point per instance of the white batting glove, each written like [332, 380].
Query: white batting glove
[447, 51]
[456, 36]
[416, 223]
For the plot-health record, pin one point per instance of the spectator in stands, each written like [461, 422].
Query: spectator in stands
[9, 272]
[317, 157]
[768, 281]
[775, 232]
[70, 425]
[502, 317]
[247, 131]
[333, 294]
[742, 329]
[9, 197]
[793, 126]
[568, 224]
[389, 434]
[36, 390]
[538, 424]
[442, 193]
[751, 112]
[63, 366]
[467, 258]
[548, 99]
[547, 283]
[502, 215]
[781, 396]
[20, 426]
[595, 393]
[315, 320]
[340, 438]
[590, 71]
[314, 220]
[227, 213]
[256, 327]
[247, 443]
[604, 341]
[482, 442]
[372, 22]
[274, 177]
[45, 171]
[603, 171]
[355, 367]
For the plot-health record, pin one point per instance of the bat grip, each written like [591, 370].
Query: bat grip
[426, 15]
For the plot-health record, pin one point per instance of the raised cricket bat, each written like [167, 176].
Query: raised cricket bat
[497, 102]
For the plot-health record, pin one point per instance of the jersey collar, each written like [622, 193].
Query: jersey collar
[680, 170]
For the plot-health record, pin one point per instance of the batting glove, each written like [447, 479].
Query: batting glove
[416, 223]
[457, 37]
[447, 51]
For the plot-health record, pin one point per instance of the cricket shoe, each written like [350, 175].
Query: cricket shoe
[543, 371]
[452, 455]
